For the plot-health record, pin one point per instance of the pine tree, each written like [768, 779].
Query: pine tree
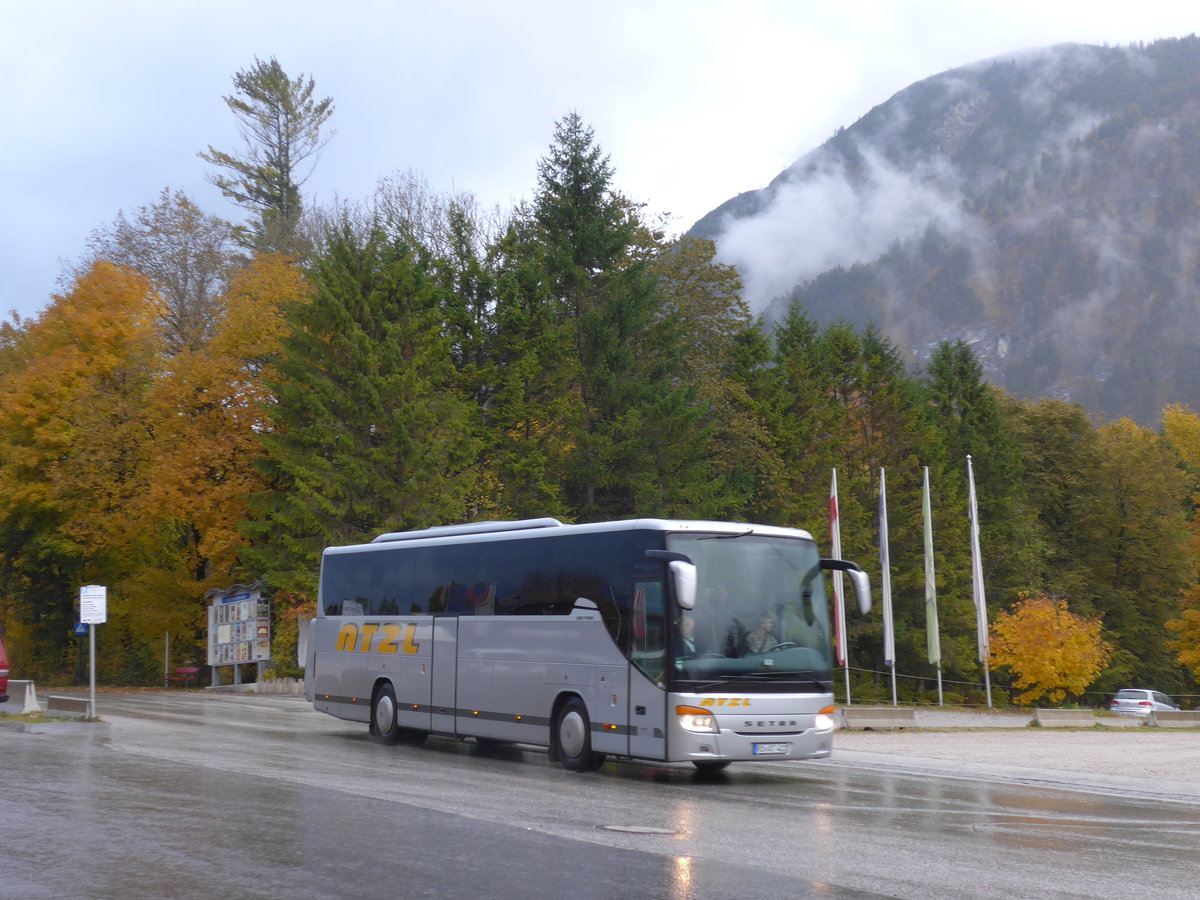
[968, 418]
[281, 124]
[806, 423]
[722, 352]
[1060, 455]
[368, 432]
[626, 449]
[535, 398]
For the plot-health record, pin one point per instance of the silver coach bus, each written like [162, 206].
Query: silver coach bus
[701, 642]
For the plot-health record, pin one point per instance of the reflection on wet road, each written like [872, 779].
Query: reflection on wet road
[218, 795]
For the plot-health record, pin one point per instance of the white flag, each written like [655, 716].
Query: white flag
[835, 549]
[889, 640]
[981, 619]
[933, 642]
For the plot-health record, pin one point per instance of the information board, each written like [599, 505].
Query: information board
[239, 628]
[93, 604]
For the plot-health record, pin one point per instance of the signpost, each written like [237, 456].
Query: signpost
[93, 610]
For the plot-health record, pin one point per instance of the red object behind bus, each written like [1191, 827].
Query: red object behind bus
[3, 674]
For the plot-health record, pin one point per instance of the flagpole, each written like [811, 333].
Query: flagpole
[839, 607]
[981, 622]
[889, 640]
[932, 639]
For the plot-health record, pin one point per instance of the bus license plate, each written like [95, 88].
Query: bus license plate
[772, 749]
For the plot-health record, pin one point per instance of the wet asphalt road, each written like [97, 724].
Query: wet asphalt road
[195, 794]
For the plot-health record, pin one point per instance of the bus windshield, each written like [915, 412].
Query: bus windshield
[760, 614]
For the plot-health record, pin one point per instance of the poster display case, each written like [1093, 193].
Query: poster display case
[239, 626]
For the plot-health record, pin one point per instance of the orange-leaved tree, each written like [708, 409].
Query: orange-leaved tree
[208, 415]
[1051, 651]
[74, 440]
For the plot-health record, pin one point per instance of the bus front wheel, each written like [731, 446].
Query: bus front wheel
[384, 722]
[573, 738]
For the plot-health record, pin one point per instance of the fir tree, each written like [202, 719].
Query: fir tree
[639, 436]
[368, 433]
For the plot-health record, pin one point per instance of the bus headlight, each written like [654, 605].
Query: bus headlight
[823, 721]
[693, 718]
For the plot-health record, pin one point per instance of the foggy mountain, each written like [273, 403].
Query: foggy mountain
[1044, 206]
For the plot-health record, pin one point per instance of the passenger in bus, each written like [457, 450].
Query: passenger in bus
[685, 644]
[762, 639]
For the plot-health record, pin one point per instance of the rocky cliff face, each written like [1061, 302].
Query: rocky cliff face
[1044, 206]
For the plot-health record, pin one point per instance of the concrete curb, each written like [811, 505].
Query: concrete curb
[90, 728]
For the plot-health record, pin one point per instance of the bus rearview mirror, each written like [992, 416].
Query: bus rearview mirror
[859, 578]
[862, 587]
[683, 576]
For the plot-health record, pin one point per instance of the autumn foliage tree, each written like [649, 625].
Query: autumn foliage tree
[1181, 426]
[124, 465]
[74, 430]
[186, 254]
[1051, 651]
[206, 414]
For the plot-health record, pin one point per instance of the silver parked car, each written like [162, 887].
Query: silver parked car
[1139, 702]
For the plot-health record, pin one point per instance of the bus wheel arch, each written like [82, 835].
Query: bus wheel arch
[571, 739]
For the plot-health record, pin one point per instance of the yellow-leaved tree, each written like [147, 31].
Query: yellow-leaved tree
[1181, 426]
[1050, 651]
[74, 440]
[207, 415]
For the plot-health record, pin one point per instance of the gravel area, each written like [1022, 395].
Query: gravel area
[982, 740]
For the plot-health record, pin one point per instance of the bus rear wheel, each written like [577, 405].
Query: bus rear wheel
[573, 738]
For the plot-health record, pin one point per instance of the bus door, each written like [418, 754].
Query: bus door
[443, 674]
[404, 653]
[647, 674]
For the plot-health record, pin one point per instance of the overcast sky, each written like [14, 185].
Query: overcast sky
[107, 102]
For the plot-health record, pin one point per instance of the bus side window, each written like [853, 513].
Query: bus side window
[456, 600]
[649, 645]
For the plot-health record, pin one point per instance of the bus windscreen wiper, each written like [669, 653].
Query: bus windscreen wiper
[706, 685]
[726, 537]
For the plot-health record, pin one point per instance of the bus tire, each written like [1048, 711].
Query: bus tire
[709, 766]
[385, 726]
[573, 738]
[384, 719]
